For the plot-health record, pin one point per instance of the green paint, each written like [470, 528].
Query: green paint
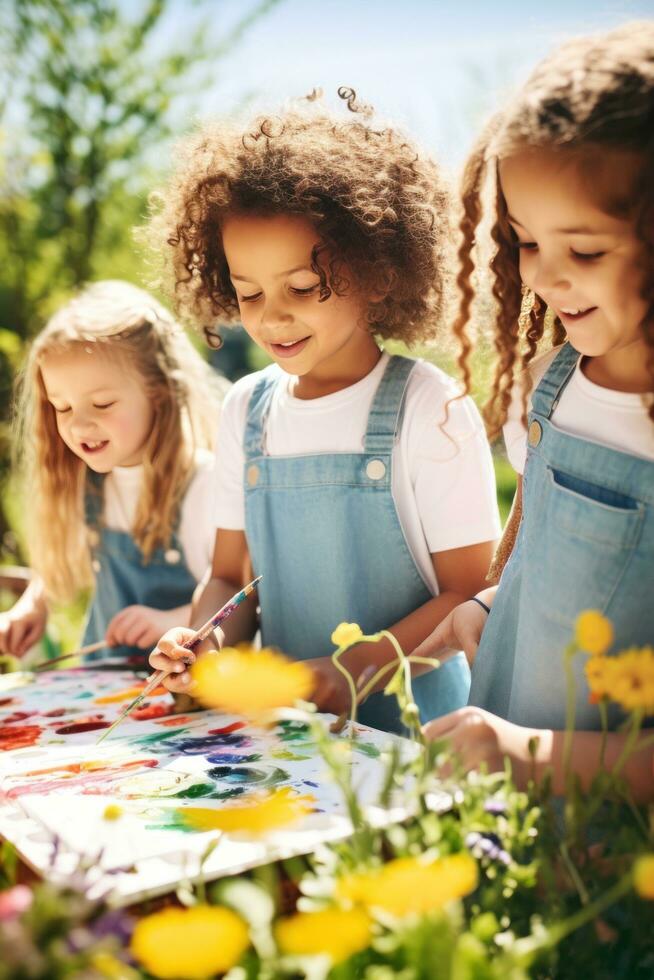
[367, 749]
[293, 731]
[195, 791]
[288, 755]
[158, 737]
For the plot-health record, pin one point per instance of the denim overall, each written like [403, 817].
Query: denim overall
[586, 541]
[324, 533]
[123, 578]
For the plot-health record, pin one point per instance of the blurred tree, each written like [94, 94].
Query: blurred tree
[90, 93]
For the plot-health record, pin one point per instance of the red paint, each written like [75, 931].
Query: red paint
[91, 767]
[234, 727]
[148, 711]
[83, 726]
[18, 736]
[5, 701]
[55, 713]
[176, 720]
[18, 716]
[89, 782]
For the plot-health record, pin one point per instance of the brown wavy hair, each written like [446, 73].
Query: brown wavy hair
[594, 96]
[378, 205]
[134, 326]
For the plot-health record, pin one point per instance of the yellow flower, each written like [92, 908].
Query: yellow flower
[108, 966]
[193, 943]
[249, 682]
[254, 814]
[112, 811]
[644, 876]
[599, 673]
[632, 679]
[346, 634]
[337, 933]
[593, 632]
[408, 886]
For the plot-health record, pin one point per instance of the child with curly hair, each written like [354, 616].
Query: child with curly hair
[341, 480]
[573, 161]
[117, 419]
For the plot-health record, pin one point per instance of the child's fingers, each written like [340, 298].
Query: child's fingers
[444, 726]
[437, 641]
[181, 683]
[172, 643]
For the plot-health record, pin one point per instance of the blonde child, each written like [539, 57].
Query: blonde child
[117, 419]
[573, 159]
[339, 479]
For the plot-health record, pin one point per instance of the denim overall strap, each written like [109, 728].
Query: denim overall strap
[324, 532]
[387, 409]
[258, 409]
[123, 578]
[546, 396]
[586, 541]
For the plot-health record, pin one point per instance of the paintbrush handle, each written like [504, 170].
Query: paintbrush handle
[193, 641]
[90, 648]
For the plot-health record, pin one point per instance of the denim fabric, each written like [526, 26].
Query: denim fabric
[324, 532]
[586, 542]
[123, 578]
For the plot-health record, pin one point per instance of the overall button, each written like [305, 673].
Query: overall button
[95, 565]
[534, 433]
[376, 469]
[253, 475]
[172, 556]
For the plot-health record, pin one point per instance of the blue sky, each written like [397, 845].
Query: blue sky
[437, 68]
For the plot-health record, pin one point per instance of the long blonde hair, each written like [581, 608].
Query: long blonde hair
[185, 395]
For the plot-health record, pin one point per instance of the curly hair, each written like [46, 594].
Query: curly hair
[380, 209]
[126, 323]
[593, 98]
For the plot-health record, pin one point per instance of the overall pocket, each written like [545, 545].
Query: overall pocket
[589, 533]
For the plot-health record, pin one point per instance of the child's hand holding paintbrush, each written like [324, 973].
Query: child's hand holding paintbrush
[172, 654]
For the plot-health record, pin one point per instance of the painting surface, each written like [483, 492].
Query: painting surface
[56, 783]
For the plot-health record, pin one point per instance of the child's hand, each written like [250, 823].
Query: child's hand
[170, 655]
[331, 691]
[141, 626]
[460, 630]
[21, 627]
[479, 737]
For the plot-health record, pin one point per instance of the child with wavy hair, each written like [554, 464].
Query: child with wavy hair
[339, 479]
[117, 420]
[572, 160]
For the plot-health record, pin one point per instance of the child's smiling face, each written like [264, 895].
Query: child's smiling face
[103, 412]
[325, 344]
[583, 262]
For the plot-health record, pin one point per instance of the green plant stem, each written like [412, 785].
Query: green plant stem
[629, 745]
[350, 681]
[557, 933]
[570, 652]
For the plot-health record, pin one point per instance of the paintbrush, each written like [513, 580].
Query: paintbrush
[197, 638]
[91, 648]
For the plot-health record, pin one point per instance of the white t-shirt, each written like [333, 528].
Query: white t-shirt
[443, 481]
[617, 419]
[196, 530]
